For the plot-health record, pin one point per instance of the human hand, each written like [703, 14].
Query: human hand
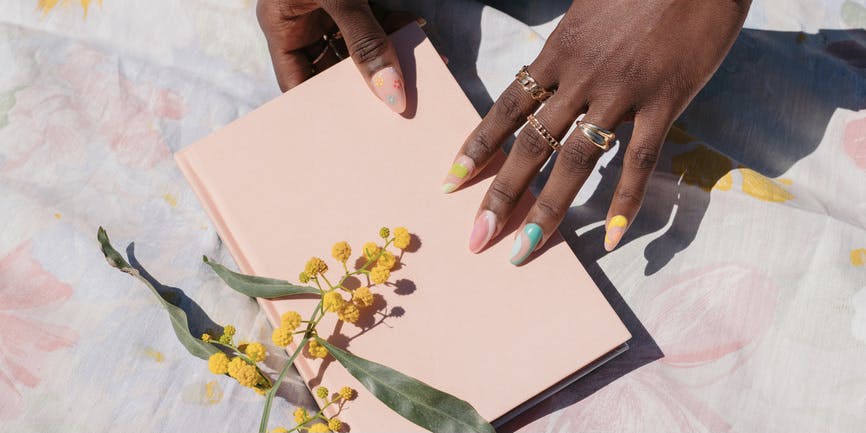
[296, 31]
[614, 61]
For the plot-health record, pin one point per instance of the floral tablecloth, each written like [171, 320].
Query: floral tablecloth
[743, 278]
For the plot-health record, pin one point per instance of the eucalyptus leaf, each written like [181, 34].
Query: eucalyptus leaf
[258, 287]
[179, 321]
[416, 401]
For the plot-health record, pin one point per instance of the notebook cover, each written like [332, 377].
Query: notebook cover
[327, 161]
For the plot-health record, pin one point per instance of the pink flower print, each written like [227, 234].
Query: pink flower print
[854, 142]
[398, 84]
[27, 291]
[84, 100]
[643, 400]
[704, 315]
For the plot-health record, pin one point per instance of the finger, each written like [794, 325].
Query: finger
[574, 164]
[638, 164]
[291, 68]
[287, 36]
[370, 49]
[530, 151]
[506, 116]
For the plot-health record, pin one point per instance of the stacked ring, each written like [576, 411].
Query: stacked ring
[542, 131]
[531, 86]
[597, 135]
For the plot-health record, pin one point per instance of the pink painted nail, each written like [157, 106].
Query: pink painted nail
[483, 230]
[458, 173]
[388, 86]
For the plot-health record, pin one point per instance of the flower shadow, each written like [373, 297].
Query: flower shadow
[198, 320]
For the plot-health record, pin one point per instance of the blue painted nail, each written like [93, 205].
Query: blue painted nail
[525, 243]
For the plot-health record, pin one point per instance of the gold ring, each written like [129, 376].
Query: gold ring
[551, 140]
[597, 135]
[531, 86]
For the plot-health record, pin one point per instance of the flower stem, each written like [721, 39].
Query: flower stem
[266, 413]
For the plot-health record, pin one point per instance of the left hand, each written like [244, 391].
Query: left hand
[613, 61]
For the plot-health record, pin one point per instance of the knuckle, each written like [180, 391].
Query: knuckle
[367, 48]
[549, 210]
[644, 157]
[531, 146]
[502, 192]
[480, 147]
[509, 108]
[629, 197]
[579, 156]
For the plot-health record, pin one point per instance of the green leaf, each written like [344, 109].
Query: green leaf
[258, 287]
[179, 321]
[414, 400]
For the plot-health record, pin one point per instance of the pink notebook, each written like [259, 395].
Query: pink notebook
[328, 161]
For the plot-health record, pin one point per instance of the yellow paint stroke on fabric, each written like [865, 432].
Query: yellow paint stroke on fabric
[58, 215]
[854, 14]
[763, 188]
[47, 6]
[154, 354]
[212, 392]
[170, 199]
[703, 167]
[205, 394]
[858, 257]
[678, 135]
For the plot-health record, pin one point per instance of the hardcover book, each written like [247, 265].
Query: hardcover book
[327, 162]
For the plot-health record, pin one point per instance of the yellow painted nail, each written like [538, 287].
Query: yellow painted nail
[615, 230]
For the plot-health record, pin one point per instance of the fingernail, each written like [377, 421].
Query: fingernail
[421, 21]
[525, 243]
[388, 85]
[615, 230]
[483, 230]
[458, 173]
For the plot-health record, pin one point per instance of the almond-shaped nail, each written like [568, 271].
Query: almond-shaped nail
[458, 173]
[525, 243]
[615, 229]
[388, 86]
[482, 231]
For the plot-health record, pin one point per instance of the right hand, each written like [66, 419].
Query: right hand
[295, 29]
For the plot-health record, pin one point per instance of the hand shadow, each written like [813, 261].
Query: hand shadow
[751, 121]
[766, 108]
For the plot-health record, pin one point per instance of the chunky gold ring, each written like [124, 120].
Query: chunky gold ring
[551, 140]
[597, 135]
[531, 86]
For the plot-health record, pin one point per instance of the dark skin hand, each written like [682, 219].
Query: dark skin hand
[609, 60]
[615, 61]
[294, 30]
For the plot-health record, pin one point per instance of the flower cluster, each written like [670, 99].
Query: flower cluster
[318, 422]
[376, 263]
[242, 365]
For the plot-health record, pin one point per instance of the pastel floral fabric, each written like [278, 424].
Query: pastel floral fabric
[743, 278]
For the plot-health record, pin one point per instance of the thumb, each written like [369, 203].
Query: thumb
[370, 49]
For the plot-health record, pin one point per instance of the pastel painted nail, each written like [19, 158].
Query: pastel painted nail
[525, 243]
[615, 229]
[482, 231]
[388, 86]
[458, 173]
